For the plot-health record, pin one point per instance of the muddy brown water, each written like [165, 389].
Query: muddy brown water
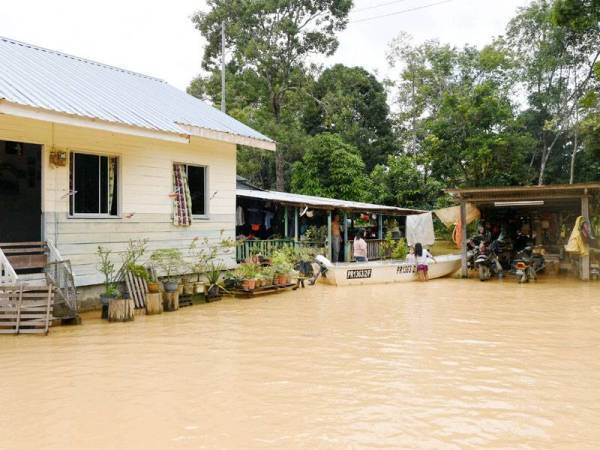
[443, 364]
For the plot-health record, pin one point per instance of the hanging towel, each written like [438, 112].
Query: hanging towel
[577, 242]
[419, 228]
[182, 202]
[451, 216]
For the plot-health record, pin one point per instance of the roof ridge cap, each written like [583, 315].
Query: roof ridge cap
[80, 59]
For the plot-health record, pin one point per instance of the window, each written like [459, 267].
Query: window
[94, 184]
[197, 183]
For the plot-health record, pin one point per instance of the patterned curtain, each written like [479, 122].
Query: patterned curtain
[182, 201]
[112, 170]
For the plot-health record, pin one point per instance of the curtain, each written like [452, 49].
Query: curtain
[182, 201]
[112, 170]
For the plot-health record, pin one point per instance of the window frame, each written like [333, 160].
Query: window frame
[206, 214]
[71, 197]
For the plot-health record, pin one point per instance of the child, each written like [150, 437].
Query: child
[422, 256]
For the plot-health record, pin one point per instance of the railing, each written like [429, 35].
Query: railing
[58, 272]
[8, 276]
[373, 249]
[244, 249]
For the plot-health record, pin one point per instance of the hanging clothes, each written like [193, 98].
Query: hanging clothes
[419, 228]
[451, 216]
[268, 218]
[578, 242]
[239, 216]
[182, 201]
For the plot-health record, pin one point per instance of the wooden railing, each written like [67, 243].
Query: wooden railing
[8, 276]
[373, 249]
[244, 249]
[58, 272]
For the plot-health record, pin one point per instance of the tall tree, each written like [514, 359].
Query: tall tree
[351, 102]
[331, 168]
[272, 39]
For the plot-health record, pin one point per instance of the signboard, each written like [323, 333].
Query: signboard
[358, 274]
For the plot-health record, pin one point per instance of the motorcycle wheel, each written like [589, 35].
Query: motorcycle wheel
[523, 278]
[484, 273]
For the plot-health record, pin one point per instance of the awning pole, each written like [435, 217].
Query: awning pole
[380, 227]
[585, 260]
[346, 243]
[329, 242]
[285, 223]
[463, 221]
[296, 224]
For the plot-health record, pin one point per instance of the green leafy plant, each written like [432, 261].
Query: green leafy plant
[400, 249]
[281, 263]
[169, 261]
[107, 268]
[315, 233]
[249, 271]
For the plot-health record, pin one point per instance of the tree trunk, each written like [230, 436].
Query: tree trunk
[120, 310]
[572, 173]
[154, 303]
[279, 169]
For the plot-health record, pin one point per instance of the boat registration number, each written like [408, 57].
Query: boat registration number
[356, 274]
[406, 268]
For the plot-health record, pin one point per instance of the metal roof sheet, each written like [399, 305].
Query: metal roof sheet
[323, 202]
[50, 80]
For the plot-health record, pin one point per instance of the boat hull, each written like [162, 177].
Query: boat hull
[387, 271]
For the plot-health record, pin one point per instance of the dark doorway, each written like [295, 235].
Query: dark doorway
[20, 192]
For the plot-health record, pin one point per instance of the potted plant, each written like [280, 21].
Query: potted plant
[107, 268]
[266, 275]
[213, 284]
[281, 267]
[249, 273]
[169, 261]
[232, 279]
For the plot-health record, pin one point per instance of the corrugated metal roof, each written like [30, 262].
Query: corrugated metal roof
[54, 81]
[323, 202]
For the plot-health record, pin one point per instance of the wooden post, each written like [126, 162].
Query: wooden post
[346, 243]
[585, 260]
[121, 310]
[296, 224]
[463, 220]
[154, 303]
[286, 232]
[329, 236]
[171, 301]
[379, 226]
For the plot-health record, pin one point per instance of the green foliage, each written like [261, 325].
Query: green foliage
[331, 168]
[249, 271]
[315, 234]
[168, 260]
[107, 268]
[281, 263]
[393, 248]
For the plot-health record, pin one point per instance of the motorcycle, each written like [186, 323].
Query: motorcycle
[528, 263]
[487, 262]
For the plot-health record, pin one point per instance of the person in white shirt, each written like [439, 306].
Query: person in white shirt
[422, 257]
[360, 247]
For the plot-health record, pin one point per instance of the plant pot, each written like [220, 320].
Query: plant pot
[281, 279]
[188, 289]
[104, 298]
[153, 287]
[170, 286]
[249, 285]
[212, 292]
[198, 287]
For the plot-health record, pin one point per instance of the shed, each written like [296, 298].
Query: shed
[564, 201]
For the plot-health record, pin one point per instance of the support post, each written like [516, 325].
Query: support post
[346, 243]
[329, 236]
[464, 271]
[296, 237]
[379, 226]
[286, 232]
[585, 260]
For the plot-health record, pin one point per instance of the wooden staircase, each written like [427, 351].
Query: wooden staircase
[39, 265]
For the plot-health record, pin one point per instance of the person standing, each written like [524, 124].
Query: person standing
[336, 239]
[422, 256]
[360, 247]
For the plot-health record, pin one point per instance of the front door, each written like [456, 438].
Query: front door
[20, 192]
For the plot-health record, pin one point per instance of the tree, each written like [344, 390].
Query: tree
[351, 102]
[555, 69]
[331, 168]
[271, 40]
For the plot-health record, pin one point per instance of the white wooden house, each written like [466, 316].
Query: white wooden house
[88, 154]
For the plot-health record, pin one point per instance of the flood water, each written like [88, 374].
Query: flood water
[443, 364]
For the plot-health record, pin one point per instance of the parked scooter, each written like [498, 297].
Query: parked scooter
[487, 262]
[528, 263]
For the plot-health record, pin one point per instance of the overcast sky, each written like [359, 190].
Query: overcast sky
[156, 37]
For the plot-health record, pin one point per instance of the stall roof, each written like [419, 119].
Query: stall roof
[556, 191]
[324, 203]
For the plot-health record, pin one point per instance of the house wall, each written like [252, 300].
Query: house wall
[145, 183]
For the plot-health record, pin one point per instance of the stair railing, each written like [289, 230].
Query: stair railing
[58, 271]
[7, 273]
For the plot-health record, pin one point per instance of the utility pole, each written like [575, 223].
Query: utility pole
[223, 66]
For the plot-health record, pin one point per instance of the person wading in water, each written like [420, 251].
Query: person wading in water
[422, 256]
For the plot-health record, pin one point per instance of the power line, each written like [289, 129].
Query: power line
[378, 6]
[400, 12]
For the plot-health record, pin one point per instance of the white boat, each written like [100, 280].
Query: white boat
[390, 271]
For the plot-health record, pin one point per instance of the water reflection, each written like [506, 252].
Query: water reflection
[443, 364]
